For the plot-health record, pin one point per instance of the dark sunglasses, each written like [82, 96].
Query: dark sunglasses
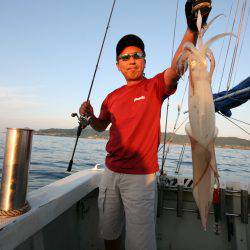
[136, 55]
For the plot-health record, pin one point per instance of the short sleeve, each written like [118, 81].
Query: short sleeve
[105, 113]
[161, 88]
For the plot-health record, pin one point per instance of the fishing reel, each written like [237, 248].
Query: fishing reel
[83, 121]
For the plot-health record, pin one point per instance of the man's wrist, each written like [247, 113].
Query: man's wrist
[194, 32]
[91, 119]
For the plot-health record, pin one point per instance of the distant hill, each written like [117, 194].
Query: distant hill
[230, 142]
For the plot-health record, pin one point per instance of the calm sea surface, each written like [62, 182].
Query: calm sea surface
[50, 157]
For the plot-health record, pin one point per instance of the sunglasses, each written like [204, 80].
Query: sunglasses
[136, 55]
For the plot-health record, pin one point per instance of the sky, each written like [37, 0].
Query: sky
[49, 50]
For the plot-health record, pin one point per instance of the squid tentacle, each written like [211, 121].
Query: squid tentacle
[215, 38]
[210, 56]
[182, 64]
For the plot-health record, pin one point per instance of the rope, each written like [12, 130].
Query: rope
[15, 212]
[219, 60]
[243, 11]
[170, 140]
[165, 138]
[180, 107]
[175, 21]
[174, 129]
[234, 123]
[178, 115]
[242, 42]
[229, 43]
[240, 121]
[175, 133]
[166, 123]
[180, 159]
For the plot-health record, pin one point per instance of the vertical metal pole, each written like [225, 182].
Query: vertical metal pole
[15, 168]
[180, 185]
[223, 204]
[179, 201]
[244, 206]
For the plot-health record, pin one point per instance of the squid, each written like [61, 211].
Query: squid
[201, 128]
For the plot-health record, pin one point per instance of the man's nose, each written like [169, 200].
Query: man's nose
[131, 60]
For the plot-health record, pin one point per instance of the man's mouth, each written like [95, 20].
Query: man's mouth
[132, 68]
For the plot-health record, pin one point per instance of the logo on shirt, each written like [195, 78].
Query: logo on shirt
[139, 98]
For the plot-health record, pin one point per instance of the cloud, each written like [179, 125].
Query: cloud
[16, 100]
[17, 106]
[25, 107]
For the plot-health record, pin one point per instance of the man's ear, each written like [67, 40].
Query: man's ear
[117, 65]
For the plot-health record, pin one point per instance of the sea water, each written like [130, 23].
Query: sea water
[50, 157]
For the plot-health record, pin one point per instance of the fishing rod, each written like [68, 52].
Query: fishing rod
[83, 121]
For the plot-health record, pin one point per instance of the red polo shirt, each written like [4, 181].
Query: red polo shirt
[134, 112]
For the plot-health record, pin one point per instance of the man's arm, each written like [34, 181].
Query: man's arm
[171, 75]
[97, 124]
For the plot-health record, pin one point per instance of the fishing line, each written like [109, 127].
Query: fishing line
[240, 121]
[170, 141]
[166, 122]
[243, 11]
[223, 43]
[234, 123]
[229, 43]
[165, 138]
[82, 120]
[242, 42]
[165, 152]
[180, 107]
[177, 170]
[175, 21]
[170, 138]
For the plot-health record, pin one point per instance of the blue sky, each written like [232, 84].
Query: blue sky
[49, 49]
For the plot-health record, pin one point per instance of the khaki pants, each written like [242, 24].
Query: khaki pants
[130, 198]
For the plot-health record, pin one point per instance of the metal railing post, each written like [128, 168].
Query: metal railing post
[15, 171]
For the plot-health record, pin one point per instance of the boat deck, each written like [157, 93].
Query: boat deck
[64, 215]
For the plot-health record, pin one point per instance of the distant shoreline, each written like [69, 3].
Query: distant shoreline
[89, 133]
[94, 137]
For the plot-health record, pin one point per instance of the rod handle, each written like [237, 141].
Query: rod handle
[70, 165]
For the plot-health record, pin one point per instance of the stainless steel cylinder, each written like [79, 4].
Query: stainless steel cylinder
[15, 168]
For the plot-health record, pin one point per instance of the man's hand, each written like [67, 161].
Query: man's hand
[191, 10]
[97, 124]
[86, 109]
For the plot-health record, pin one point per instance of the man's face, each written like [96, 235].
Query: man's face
[132, 69]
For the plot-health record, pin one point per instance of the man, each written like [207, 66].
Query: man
[129, 182]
